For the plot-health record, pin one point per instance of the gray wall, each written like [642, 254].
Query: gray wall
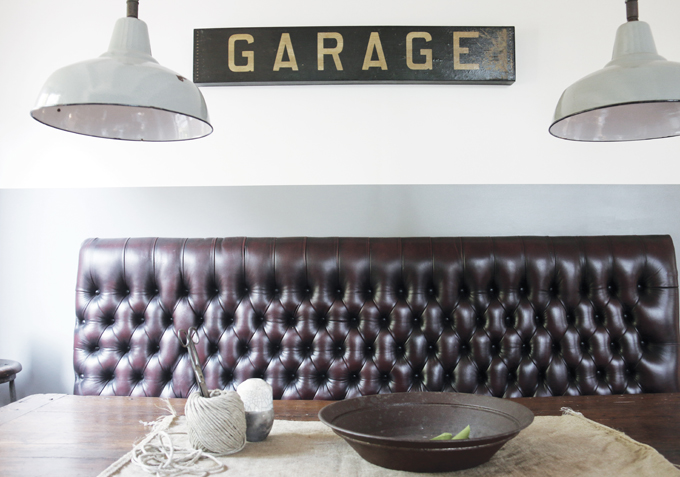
[42, 230]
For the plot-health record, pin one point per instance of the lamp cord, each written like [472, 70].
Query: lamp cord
[632, 10]
[133, 8]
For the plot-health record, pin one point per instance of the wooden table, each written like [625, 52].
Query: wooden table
[61, 435]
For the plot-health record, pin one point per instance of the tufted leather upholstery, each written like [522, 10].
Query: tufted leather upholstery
[332, 318]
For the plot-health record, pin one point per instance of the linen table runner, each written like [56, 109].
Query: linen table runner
[568, 445]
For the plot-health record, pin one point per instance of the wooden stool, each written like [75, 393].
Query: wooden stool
[8, 371]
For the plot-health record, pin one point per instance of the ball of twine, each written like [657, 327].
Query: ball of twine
[216, 424]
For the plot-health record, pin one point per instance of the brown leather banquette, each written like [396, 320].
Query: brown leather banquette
[332, 318]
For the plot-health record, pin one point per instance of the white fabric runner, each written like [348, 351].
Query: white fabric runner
[569, 445]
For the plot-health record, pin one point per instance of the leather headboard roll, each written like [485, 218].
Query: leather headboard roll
[332, 318]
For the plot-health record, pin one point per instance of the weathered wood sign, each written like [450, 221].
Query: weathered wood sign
[312, 55]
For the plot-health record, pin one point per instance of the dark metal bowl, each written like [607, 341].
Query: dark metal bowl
[395, 430]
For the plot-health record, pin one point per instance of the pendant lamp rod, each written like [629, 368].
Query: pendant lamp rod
[133, 8]
[631, 10]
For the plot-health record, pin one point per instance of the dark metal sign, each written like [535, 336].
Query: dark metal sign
[313, 55]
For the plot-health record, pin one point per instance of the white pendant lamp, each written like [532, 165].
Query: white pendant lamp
[635, 96]
[124, 94]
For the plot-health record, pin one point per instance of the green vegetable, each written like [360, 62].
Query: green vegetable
[464, 434]
[447, 436]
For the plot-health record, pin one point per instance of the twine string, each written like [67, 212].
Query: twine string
[216, 426]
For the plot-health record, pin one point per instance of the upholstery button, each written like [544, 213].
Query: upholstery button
[369, 291]
[276, 290]
[96, 292]
[306, 290]
[96, 348]
[339, 291]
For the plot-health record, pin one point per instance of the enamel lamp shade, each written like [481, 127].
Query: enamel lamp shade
[124, 93]
[635, 96]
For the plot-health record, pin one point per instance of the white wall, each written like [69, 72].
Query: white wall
[361, 134]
